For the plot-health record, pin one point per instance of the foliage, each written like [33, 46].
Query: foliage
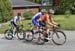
[66, 24]
[67, 13]
[5, 10]
[64, 7]
[66, 4]
[36, 1]
[28, 14]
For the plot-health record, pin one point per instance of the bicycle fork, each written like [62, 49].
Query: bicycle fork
[56, 34]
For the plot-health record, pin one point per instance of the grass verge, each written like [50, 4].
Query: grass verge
[67, 23]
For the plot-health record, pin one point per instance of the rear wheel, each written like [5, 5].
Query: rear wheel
[8, 34]
[59, 38]
[40, 38]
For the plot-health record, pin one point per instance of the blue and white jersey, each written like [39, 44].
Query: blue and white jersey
[37, 16]
[15, 19]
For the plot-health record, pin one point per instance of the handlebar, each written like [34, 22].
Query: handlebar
[58, 26]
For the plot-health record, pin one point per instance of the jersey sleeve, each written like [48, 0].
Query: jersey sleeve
[37, 16]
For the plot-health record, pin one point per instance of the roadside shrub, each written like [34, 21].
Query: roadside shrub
[67, 13]
[5, 10]
[28, 15]
[59, 10]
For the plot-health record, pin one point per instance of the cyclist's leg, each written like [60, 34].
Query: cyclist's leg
[45, 32]
[47, 29]
[43, 24]
[46, 38]
[14, 28]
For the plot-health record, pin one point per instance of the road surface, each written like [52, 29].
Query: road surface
[21, 45]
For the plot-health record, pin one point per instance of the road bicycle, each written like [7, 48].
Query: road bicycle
[55, 34]
[8, 34]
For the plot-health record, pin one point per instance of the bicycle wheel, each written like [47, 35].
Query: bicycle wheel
[40, 38]
[8, 34]
[28, 35]
[20, 34]
[59, 37]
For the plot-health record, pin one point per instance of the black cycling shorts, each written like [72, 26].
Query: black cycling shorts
[42, 23]
[14, 25]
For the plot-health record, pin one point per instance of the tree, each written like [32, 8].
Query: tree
[36, 1]
[66, 4]
[5, 10]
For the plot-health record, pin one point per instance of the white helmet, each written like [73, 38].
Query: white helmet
[43, 10]
[51, 11]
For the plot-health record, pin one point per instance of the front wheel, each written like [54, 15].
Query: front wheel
[28, 35]
[20, 34]
[8, 34]
[59, 37]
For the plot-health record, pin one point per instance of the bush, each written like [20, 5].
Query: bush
[67, 13]
[28, 15]
[73, 10]
[59, 10]
[5, 10]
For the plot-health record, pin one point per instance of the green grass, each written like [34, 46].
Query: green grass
[67, 23]
[2, 29]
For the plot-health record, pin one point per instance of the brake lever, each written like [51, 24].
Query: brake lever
[58, 25]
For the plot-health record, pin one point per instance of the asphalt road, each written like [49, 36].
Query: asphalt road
[21, 45]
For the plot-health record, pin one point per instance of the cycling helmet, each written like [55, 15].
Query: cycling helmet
[43, 10]
[51, 11]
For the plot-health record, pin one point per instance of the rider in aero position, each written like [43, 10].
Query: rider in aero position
[47, 20]
[36, 18]
[14, 22]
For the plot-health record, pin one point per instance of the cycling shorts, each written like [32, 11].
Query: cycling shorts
[14, 25]
[42, 23]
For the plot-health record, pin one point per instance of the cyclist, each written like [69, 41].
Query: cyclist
[36, 18]
[14, 22]
[47, 20]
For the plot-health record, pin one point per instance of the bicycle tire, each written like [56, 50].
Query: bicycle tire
[40, 39]
[8, 33]
[62, 33]
[20, 34]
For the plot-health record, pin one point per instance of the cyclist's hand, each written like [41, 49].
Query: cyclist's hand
[55, 26]
[58, 25]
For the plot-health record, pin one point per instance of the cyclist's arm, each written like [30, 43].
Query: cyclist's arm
[53, 22]
[48, 20]
[20, 21]
[39, 19]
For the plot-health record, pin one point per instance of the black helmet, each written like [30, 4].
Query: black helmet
[19, 14]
